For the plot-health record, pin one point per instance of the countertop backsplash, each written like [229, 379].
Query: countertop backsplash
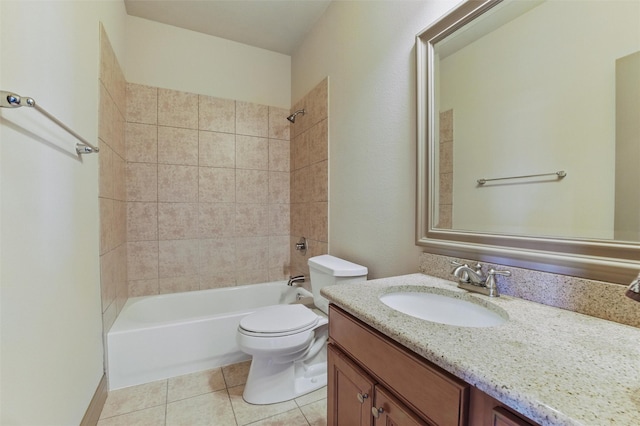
[595, 298]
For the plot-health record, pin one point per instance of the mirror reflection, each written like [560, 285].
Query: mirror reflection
[535, 88]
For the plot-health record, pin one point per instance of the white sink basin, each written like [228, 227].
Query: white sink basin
[443, 309]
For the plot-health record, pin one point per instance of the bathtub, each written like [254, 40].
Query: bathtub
[157, 337]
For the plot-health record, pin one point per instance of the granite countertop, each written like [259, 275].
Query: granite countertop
[554, 366]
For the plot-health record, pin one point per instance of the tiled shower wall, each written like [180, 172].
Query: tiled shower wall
[309, 177]
[112, 191]
[207, 191]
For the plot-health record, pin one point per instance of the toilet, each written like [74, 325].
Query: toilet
[289, 342]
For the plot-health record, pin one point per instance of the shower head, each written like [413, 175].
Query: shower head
[292, 117]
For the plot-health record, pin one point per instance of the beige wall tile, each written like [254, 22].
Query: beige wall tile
[106, 185]
[177, 221]
[299, 218]
[120, 226]
[177, 109]
[178, 284]
[139, 288]
[279, 155]
[252, 276]
[141, 142]
[142, 221]
[300, 151]
[279, 252]
[217, 256]
[108, 277]
[318, 142]
[217, 149]
[216, 114]
[177, 183]
[217, 185]
[319, 176]
[252, 186]
[216, 220]
[178, 258]
[177, 146]
[142, 104]
[142, 182]
[107, 225]
[446, 126]
[252, 119]
[218, 280]
[120, 178]
[278, 123]
[446, 188]
[318, 221]
[446, 157]
[279, 219]
[142, 260]
[252, 220]
[299, 191]
[252, 152]
[279, 187]
[252, 253]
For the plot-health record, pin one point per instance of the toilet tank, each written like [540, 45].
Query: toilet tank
[328, 270]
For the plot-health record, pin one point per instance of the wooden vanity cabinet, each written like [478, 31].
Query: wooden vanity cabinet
[374, 381]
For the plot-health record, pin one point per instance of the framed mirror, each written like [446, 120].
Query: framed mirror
[529, 136]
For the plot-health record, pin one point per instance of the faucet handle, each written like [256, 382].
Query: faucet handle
[491, 281]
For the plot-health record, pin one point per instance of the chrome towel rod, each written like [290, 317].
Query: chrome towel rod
[560, 174]
[11, 100]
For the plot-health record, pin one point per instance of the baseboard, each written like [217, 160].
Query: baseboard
[92, 415]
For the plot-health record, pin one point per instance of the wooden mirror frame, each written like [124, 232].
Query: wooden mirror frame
[610, 261]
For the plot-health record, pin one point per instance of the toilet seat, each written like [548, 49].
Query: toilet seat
[279, 320]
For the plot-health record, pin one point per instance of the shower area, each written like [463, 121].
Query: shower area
[198, 192]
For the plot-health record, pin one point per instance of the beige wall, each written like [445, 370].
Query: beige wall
[51, 322]
[169, 57]
[207, 191]
[367, 50]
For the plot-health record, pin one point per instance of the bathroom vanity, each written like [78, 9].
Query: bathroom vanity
[542, 366]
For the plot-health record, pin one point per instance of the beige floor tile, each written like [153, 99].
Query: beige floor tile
[247, 413]
[316, 413]
[210, 409]
[236, 374]
[290, 418]
[153, 416]
[135, 398]
[312, 397]
[195, 384]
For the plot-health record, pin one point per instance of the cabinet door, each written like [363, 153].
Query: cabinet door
[349, 392]
[388, 411]
[502, 417]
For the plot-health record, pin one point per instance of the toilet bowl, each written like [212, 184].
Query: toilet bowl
[288, 342]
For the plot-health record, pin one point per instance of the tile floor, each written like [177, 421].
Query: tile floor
[212, 397]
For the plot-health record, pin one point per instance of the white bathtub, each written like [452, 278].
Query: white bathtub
[157, 337]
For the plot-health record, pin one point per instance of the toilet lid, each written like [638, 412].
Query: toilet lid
[279, 319]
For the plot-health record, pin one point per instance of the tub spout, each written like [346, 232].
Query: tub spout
[295, 280]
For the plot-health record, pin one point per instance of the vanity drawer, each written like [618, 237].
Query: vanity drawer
[435, 394]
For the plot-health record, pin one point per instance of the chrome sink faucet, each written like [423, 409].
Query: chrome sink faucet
[472, 279]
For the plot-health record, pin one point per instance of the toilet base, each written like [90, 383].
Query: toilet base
[270, 383]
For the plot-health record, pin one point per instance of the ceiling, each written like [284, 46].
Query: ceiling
[276, 25]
